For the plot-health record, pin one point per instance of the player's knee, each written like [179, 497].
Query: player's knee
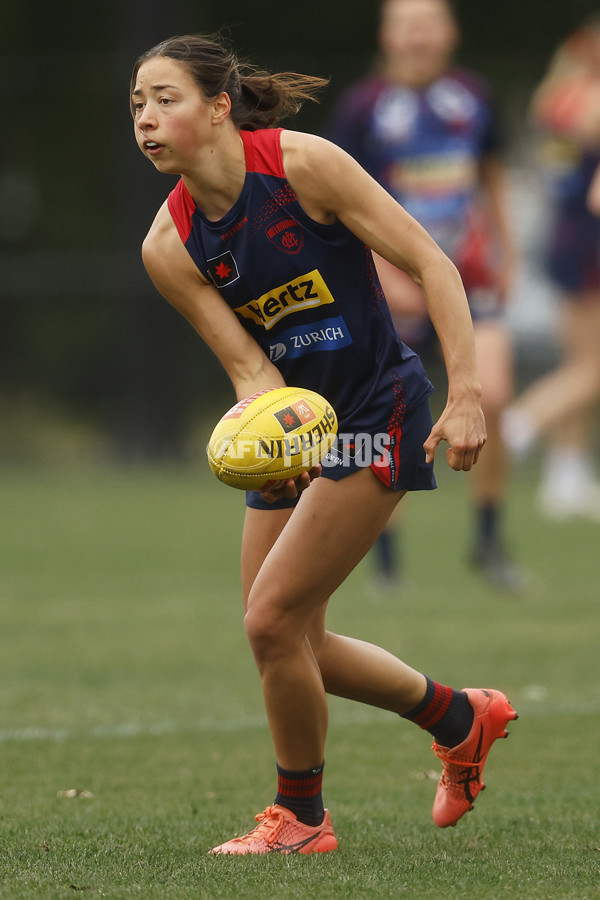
[266, 632]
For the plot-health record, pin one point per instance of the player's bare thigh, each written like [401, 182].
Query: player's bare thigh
[261, 530]
[495, 365]
[323, 539]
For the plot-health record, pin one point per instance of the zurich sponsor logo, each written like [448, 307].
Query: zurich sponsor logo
[328, 334]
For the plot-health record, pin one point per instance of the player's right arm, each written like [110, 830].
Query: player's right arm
[179, 281]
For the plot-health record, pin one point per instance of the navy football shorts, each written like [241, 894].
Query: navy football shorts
[396, 457]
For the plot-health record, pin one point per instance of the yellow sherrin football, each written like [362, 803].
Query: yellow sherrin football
[271, 436]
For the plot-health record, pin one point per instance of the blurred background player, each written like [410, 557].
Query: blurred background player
[428, 132]
[562, 405]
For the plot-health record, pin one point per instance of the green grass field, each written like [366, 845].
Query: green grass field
[124, 672]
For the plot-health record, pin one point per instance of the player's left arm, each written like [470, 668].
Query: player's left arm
[495, 194]
[331, 185]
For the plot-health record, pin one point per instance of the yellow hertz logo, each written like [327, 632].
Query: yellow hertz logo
[303, 292]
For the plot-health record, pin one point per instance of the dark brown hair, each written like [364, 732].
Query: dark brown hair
[258, 98]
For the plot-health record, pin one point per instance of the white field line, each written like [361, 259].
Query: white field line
[129, 730]
[126, 730]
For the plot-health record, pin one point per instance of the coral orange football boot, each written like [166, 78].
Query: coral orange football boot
[279, 831]
[463, 765]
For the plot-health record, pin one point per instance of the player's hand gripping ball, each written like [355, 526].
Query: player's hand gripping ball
[271, 436]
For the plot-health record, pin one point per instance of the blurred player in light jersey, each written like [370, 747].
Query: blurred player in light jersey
[429, 134]
[563, 404]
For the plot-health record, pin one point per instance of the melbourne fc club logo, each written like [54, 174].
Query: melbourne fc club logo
[286, 234]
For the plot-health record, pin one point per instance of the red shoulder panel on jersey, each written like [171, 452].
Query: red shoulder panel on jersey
[263, 151]
[181, 206]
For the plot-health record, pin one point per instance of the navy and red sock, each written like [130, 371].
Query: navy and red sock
[444, 713]
[301, 792]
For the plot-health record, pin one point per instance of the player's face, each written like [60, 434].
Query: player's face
[172, 119]
[418, 38]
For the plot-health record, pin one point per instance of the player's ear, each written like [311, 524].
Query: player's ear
[221, 108]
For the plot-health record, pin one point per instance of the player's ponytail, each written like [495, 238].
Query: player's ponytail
[259, 99]
[268, 98]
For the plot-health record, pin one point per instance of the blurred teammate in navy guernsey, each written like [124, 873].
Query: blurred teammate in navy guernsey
[429, 133]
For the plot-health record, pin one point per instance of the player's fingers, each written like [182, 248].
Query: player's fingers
[463, 460]
[290, 487]
[301, 482]
[468, 461]
[430, 446]
[277, 489]
[454, 459]
[459, 461]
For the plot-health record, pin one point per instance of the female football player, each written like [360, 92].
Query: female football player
[266, 239]
[427, 131]
[562, 406]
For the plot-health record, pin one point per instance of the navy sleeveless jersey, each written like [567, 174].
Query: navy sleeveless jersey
[308, 293]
